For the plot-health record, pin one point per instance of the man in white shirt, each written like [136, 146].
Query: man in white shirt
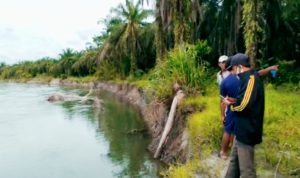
[223, 73]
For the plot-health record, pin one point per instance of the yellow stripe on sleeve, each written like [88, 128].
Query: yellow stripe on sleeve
[247, 95]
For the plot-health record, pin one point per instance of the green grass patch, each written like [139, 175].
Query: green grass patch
[82, 79]
[183, 171]
[281, 139]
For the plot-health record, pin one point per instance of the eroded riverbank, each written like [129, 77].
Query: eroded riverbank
[154, 113]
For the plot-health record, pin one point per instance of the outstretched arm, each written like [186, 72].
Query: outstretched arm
[265, 71]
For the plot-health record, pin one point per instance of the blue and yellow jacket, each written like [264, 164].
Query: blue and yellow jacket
[249, 109]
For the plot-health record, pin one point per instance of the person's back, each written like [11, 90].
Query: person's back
[249, 109]
[230, 88]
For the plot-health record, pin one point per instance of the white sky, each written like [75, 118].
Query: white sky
[32, 29]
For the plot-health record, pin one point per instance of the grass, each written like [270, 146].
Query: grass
[280, 150]
[205, 127]
[183, 171]
[180, 66]
[281, 130]
[82, 79]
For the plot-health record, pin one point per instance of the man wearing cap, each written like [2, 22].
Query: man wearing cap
[249, 110]
[230, 88]
[223, 73]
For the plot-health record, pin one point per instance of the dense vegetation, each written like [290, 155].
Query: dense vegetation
[130, 45]
[182, 45]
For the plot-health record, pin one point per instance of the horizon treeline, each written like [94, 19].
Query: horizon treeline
[130, 45]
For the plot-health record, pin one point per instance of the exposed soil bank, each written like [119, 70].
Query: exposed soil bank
[175, 148]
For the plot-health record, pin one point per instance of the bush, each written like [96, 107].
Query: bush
[106, 71]
[287, 73]
[181, 66]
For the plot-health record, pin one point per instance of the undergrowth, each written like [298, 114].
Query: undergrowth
[184, 65]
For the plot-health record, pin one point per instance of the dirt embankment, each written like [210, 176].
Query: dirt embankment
[155, 114]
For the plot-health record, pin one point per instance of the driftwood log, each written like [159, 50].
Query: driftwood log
[178, 97]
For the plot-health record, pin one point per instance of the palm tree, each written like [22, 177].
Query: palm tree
[2, 64]
[251, 16]
[67, 58]
[226, 34]
[182, 20]
[281, 29]
[173, 18]
[86, 64]
[161, 34]
[124, 31]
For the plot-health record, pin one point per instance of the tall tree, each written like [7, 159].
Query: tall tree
[226, 34]
[160, 37]
[173, 22]
[251, 15]
[67, 58]
[164, 27]
[181, 15]
[134, 18]
[281, 29]
[125, 34]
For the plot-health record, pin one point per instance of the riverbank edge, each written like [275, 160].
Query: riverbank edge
[154, 113]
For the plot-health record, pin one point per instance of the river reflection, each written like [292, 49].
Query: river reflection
[69, 139]
[128, 150]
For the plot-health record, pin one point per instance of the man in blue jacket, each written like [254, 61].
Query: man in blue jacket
[249, 110]
[229, 87]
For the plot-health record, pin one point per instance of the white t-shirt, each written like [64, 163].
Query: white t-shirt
[221, 76]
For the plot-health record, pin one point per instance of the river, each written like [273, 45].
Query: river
[39, 139]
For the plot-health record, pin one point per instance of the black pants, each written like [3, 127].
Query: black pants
[241, 161]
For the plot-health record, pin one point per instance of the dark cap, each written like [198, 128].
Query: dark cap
[228, 65]
[239, 59]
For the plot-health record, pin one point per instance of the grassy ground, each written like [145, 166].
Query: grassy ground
[280, 150]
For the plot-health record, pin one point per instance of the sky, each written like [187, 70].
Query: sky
[33, 29]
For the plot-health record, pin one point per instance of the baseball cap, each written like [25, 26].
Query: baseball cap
[239, 59]
[228, 65]
[223, 58]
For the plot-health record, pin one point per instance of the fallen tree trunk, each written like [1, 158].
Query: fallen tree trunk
[178, 97]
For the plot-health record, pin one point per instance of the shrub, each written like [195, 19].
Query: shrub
[106, 71]
[287, 73]
[181, 66]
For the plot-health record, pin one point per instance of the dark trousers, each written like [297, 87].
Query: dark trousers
[241, 161]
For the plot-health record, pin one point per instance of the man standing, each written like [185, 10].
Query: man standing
[223, 73]
[229, 87]
[249, 110]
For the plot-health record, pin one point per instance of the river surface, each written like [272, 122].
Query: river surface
[39, 139]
